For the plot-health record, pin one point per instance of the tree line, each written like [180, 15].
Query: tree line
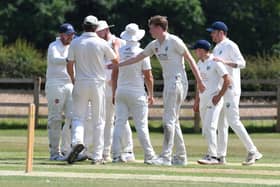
[254, 24]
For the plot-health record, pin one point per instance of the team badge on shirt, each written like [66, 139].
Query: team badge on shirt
[156, 49]
[220, 52]
[227, 105]
[166, 49]
[208, 68]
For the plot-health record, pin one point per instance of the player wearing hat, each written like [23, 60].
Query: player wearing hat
[209, 103]
[131, 97]
[88, 53]
[59, 93]
[227, 52]
[103, 31]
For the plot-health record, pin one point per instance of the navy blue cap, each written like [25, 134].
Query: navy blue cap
[66, 28]
[218, 25]
[202, 44]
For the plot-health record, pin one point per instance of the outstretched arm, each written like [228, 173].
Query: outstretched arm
[129, 61]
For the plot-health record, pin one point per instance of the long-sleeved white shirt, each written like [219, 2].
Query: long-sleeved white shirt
[56, 68]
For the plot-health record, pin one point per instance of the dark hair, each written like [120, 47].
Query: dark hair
[159, 21]
[89, 28]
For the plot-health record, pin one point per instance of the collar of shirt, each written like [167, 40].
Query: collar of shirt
[89, 34]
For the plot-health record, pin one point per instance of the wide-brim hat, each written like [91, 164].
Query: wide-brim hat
[132, 33]
[102, 24]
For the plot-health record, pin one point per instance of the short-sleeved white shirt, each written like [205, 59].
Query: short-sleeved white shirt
[170, 55]
[56, 69]
[229, 51]
[211, 73]
[131, 77]
[89, 53]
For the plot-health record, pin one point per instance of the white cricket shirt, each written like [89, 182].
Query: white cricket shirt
[229, 51]
[211, 74]
[89, 53]
[170, 55]
[56, 69]
[131, 77]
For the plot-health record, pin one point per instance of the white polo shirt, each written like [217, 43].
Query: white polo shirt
[170, 55]
[56, 70]
[229, 51]
[131, 77]
[211, 74]
[89, 53]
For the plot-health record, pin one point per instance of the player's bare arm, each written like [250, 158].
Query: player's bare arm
[116, 46]
[149, 82]
[70, 70]
[114, 78]
[190, 60]
[132, 60]
[196, 101]
[225, 86]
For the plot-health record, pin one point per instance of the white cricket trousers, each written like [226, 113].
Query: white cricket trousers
[59, 102]
[209, 115]
[93, 91]
[127, 103]
[174, 94]
[230, 117]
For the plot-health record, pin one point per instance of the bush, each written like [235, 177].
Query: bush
[21, 60]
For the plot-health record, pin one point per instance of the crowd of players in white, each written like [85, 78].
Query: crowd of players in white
[97, 81]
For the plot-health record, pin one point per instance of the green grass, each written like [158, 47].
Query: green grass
[13, 147]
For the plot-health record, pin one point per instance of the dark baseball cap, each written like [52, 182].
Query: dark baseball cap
[218, 25]
[66, 28]
[202, 44]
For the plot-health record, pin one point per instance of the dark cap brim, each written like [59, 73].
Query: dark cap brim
[210, 29]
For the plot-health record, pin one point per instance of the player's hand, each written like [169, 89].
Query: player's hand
[217, 59]
[216, 99]
[196, 107]
[112, 66]
[151, 100]
[201, 87]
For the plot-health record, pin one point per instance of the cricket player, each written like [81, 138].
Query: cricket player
[227, 52]
[59, 93]
[171, 52]
[103, 31]
[131, 97]
[209, 103]
[88, 53]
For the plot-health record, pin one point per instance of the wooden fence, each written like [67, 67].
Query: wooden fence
[274, 94]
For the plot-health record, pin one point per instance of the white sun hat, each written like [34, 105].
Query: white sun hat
[132, 33]
[102, 24]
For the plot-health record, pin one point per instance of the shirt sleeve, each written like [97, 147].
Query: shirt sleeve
[221, 69]
[109, 53]
[54, 56]
[149, 49]
[146, 64]
[180, 46]
[71, 55]
[237, 57]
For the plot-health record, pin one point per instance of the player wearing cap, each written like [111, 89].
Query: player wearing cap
[103, 31]
[227, 52]
[88, 53]
[131, 97]
[171, 52]
[209, 103]
[59, 93]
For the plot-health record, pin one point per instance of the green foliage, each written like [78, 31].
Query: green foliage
[35, 21]
[21, 60]
[253, 24]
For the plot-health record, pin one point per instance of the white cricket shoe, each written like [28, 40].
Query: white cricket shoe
[208, 160]
[58, 157]
[118, 159]
[161, 161]
[179, 161]
[128, 157]
[252, 158]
